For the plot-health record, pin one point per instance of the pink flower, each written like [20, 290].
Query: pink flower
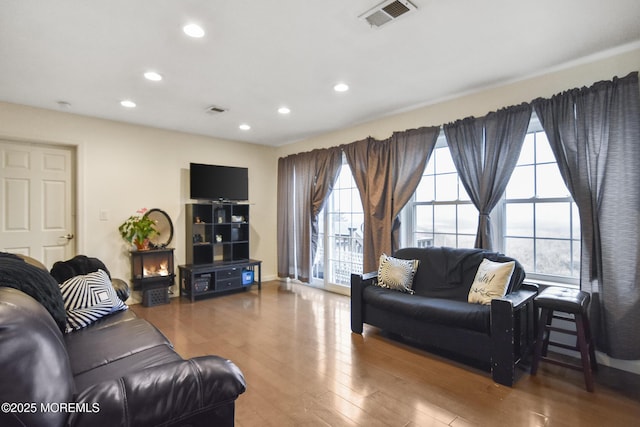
[141, 211]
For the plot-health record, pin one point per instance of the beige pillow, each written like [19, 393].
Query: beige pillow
[491, 281]
[395, 273]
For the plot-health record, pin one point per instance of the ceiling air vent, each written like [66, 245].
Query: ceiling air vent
[215, 110]
[387, 11]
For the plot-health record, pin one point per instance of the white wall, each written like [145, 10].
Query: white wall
[122, 168]
[584, 73]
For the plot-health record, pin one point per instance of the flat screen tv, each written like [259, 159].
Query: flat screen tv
[212, 182]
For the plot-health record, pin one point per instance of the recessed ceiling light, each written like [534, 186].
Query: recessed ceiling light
[284, 110]
[341, 87]
[244, 126]
[128, 103]
[193, 30]
[153, 76]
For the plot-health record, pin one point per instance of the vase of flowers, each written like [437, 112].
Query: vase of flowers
[137, 229]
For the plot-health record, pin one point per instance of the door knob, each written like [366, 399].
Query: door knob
[68, 236]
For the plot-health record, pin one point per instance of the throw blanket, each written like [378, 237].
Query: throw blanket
[457, 259]
[444, 272]
[38, 284]
[76, 266]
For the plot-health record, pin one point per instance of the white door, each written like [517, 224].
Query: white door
[37, 201]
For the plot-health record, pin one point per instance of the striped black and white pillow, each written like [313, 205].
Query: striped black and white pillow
[88, 298]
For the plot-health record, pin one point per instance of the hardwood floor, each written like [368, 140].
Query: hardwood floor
[304, 367]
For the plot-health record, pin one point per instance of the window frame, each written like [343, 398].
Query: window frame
[498, 220]
[409, 216]
[499, 229]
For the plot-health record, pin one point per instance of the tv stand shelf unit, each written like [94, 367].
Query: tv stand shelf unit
[198, 280]
[217, 232]
[217, 250]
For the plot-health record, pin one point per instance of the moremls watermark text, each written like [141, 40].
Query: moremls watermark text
[56, 407]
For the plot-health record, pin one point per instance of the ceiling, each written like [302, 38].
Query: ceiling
[257, 56]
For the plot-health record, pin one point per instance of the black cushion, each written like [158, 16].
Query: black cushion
[444, 272]
[563, 299]
[457, 314]
[38, 284]
[94, 347]
[449, 272]
[154, 356]
[80, 264]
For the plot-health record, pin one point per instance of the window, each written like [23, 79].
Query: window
[341, 225]
[542, 226]
[536, 221]
[443, 214]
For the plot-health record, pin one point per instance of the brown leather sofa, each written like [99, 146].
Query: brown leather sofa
[119, 371]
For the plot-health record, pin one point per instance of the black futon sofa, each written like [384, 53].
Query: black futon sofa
[118, 371]
[496, 337]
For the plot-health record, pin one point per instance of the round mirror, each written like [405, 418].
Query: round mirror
[164, 226]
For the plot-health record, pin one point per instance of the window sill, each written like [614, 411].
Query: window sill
[545, 283]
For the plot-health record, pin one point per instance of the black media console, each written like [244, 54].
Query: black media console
[210, 279]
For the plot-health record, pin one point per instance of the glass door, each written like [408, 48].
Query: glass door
[341, 228]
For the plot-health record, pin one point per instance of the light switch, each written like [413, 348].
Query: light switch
[104, 215]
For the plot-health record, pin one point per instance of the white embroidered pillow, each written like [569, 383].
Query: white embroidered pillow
[395, 273]
[491, 281]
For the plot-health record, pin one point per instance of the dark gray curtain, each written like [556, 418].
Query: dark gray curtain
[304, 182]
[406, 164]
[304, 177]
[386, 172]
[485, 151]
[595, 135]
[285, 221]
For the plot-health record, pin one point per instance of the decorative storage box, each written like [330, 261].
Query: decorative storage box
[202, 283]
[153, 297]
[247, 277]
